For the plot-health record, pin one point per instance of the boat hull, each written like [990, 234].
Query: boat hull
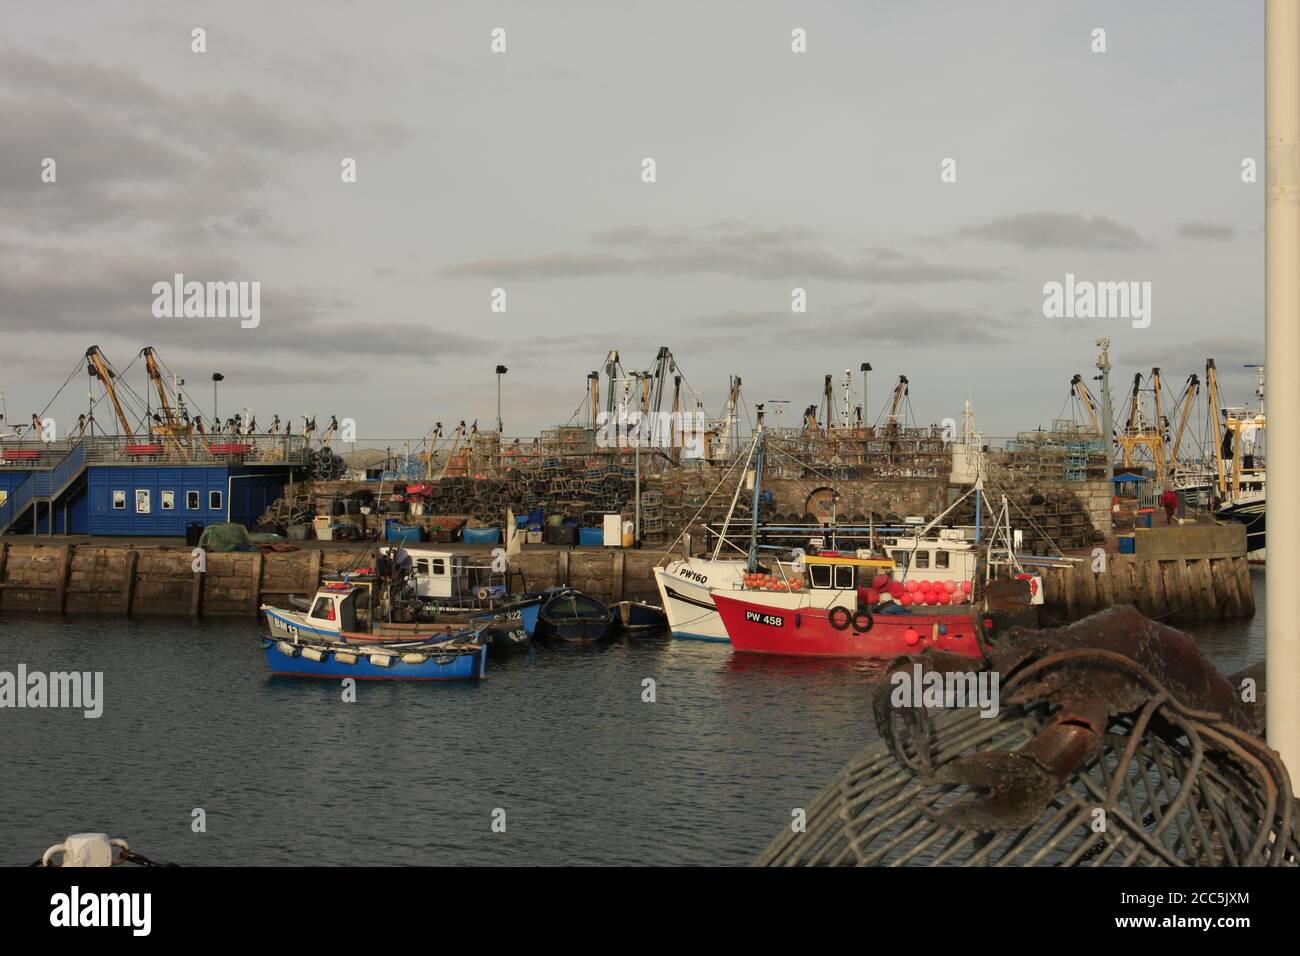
[437, 667]
[575, 618]
[687, 602]
[1251, 514]
[637, 616]
[758, 628]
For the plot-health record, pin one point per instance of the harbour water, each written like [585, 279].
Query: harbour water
[563, 741]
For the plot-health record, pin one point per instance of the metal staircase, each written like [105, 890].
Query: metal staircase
[45, 486]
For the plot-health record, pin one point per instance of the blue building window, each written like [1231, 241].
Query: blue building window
[214, 501]
[191, 501]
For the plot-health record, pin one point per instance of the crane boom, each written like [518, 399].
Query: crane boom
[1086, 400]
[1189, 396]
[99, 368]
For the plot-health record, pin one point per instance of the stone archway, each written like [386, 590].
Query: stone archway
[823, 503]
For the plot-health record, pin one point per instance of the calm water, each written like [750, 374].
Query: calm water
[411, 773]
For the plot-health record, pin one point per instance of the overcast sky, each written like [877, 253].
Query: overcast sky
[523, 170]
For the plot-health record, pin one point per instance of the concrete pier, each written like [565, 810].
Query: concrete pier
[1178, 574]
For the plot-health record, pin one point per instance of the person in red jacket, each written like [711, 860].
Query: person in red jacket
[1169, 501]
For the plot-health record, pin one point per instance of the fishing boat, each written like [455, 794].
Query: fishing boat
[639, 616]
[792, 623]
[685, 587]
[574, 617]
[342, 612]
[459, 658]
[916, 550]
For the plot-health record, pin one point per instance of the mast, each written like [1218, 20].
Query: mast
[758, 486]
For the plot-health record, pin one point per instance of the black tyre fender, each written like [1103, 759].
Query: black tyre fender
[863, 621]
[839, 617]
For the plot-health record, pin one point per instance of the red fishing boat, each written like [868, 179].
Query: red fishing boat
[758, 628]
[794, 622]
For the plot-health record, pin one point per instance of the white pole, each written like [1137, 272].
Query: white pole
[1282, 351]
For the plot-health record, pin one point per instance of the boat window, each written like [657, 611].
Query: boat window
[923, 559]
[941, 559]
[900, 558]
[422, 566]
[324, 609]
[439, 566]
[844, 576]
[820, 575]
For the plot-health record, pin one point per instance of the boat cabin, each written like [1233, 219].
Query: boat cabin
[440, 575]
[842, 572]
[949, 556]
[335, 607]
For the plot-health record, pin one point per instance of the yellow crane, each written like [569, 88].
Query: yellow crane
[1190, 392]
[99, 368]
[1080, 389]
[1140, 434]
[170, 428]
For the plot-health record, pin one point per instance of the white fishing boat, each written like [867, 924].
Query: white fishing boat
[684, 588]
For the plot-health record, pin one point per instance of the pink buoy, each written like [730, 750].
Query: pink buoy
[949, 587]
[896, 589]
[965, 587]
[880, 582]
[910, 637]
[873, 597]
[911, 586]
[905, 600]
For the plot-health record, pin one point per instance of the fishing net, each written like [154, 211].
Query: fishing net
[219, 538]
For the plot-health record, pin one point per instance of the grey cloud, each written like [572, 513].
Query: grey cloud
[1206, 230]
[727, 248]
[131, 152]
[56, 289]
[1055, 230]
[895, 323]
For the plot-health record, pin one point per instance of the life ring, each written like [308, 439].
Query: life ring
[482, 594]
[839, 617]
[1033, 582]
[863, 621]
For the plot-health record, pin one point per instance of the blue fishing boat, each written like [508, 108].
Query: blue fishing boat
[446, 660]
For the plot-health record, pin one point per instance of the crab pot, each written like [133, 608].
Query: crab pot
[1172, 787]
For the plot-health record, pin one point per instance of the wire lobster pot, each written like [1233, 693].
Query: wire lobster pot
[1170, 786]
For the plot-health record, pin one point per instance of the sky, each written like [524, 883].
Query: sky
[523, 170]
